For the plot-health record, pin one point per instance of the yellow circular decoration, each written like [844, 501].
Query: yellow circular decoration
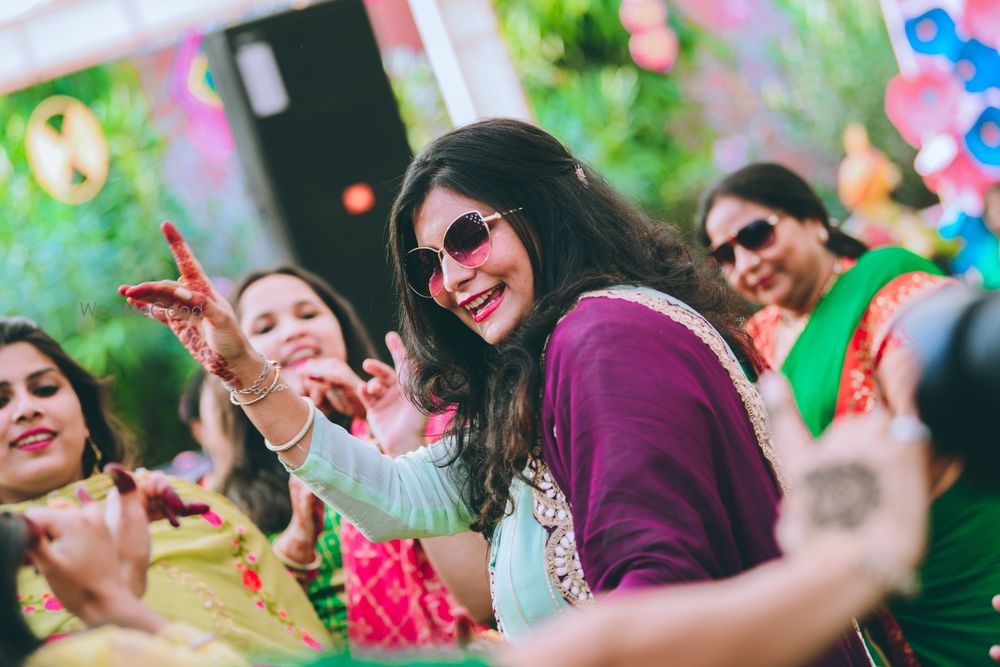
[69, 159]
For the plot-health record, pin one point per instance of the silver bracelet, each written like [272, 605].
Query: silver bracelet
[260, 378]
[263, 393]
[298, 436]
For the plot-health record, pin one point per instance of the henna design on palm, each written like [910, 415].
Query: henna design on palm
[195, 304]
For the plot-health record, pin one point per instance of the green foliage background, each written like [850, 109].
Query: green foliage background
[639, 128]
[644, 131]
[56, 257]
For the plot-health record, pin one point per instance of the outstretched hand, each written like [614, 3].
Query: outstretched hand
[396, 423]
[201, 319]
[866, 478]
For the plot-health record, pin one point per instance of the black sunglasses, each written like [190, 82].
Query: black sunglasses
[467, 241]
[753, 236]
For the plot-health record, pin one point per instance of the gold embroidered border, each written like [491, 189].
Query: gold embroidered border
[872, 333]
[752, 401]
[699, 326]
[561, 557]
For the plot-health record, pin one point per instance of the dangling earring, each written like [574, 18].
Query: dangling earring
[97, 453]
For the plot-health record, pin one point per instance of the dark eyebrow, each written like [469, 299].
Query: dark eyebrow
[32, 376]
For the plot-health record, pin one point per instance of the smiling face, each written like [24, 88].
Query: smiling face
[493, 298]
[287, 321]
[783, 273]
[42, 429]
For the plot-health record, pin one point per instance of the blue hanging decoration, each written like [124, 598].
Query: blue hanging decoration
[983, 138]
[933, 33]
[978, 66]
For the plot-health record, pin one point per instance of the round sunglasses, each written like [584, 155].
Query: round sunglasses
[467, 241]
[753, 236]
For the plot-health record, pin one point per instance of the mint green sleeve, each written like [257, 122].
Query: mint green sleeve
[410, 496]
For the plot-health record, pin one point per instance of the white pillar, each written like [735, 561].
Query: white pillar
[470, 60]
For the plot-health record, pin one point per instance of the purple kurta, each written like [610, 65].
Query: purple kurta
[646, 434]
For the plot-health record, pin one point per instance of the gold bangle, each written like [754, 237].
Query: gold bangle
[301, 567]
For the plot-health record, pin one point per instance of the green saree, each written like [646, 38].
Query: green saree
[815, 363]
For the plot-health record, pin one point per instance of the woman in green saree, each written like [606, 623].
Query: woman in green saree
[829, 324]
[215, 571]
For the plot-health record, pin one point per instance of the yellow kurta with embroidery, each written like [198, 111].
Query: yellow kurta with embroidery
[177, 645]
[216, 572]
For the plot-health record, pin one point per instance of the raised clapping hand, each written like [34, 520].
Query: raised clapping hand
[332, 386]
[864, 480]
[394, 421]
[201, 319]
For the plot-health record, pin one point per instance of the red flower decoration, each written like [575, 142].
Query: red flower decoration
[251, 581]
[53, 604]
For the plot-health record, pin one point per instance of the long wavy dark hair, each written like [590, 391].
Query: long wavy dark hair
[106, 431]
[580, 235]
[781, 189]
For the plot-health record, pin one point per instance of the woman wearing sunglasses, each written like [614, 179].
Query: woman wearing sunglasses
[828, 301]
[829, 309]
[605, 436]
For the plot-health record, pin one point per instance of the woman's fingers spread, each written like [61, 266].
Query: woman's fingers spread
[165, 293]
[150, 310]
[188, 265]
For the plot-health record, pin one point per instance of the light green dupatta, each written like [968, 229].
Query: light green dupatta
[816, 361]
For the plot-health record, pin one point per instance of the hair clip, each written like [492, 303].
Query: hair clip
[580, 175]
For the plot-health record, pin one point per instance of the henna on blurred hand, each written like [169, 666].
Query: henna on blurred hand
[842, 495]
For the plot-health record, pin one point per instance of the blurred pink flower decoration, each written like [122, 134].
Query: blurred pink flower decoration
[653, 45]
[981, 20]
[719, 15]
[960, 180]
[655, 50]
[643, 15]
[926, 104]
